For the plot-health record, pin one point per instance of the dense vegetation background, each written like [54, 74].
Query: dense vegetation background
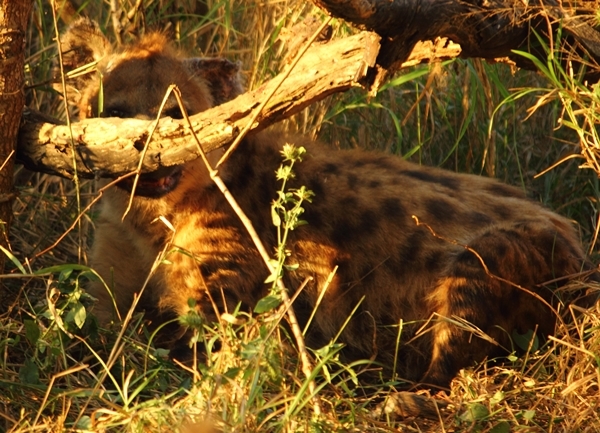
[59, 372]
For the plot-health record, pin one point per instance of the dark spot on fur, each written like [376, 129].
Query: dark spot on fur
[548, 242]
[244, 176]
[368, 222]
[506, 308]
[504, 190]
[316, 186]
[313, 217]
[510, 234]
[391, 207]
[447, 181]
[367, 274]
[342, 232]
[358, 163]
[475, 218]
[207, 270]
[440, 209]
[374, 184]
[266, 190]
[215, 223]
[467, 265]
[501, 249]
[502, 211]
[408, 253]
[330, 168]
[433, 261]
[352, 181]
[349, 203]
[384, 161]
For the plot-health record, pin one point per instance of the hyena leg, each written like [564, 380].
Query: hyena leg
[504, 295]
[123, 269]
[216, 267]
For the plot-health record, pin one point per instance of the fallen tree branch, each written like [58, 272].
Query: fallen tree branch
[112, 147]
[488, 29]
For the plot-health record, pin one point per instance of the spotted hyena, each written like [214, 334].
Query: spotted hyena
[483, 252]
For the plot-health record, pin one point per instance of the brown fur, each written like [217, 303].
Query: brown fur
[361, 220]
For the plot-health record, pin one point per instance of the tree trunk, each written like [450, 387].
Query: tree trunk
[13, 22]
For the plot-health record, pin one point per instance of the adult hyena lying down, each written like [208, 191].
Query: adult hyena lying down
[361, 220]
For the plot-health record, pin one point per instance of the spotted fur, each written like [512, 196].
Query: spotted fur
[478, 251]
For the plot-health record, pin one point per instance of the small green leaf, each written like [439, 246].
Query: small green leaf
[524, 341]
[192, 320]
[267, 304]
[29, 373]
[64, 275]
[32, 331]
[232, 372]
[84, 423]
[13, 259]
[299, 223]
[512, 357]
[76, 315]
[497, 398]
[529, 415]
[501, 427]
[275, 217]
[271, 278]
[61, 269]
[161, 353]
[475, 412]
[79, 315]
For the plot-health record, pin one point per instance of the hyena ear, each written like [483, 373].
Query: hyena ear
[83, 43]
[221, 75]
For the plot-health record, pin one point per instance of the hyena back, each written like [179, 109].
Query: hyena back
[478, 251]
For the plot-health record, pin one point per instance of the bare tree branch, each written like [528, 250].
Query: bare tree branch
[488, 29]
[112, 147]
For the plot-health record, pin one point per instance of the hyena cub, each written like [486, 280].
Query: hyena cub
[482, 253]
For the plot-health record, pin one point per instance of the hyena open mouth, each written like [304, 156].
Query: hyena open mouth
[156, 184]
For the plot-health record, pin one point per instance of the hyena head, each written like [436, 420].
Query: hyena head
[132, 83]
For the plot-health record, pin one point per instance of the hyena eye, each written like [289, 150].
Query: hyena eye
[174, 112]
[115, 112]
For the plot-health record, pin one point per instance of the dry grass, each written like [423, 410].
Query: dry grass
[53, 371]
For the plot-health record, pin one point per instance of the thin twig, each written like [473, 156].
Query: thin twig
[296, 331]
[73, 146]
[244, 131]
[138, 170]
[82, 213]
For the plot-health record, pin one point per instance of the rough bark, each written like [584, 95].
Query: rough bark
[13, 23]
[112, 147]
[489, 29]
